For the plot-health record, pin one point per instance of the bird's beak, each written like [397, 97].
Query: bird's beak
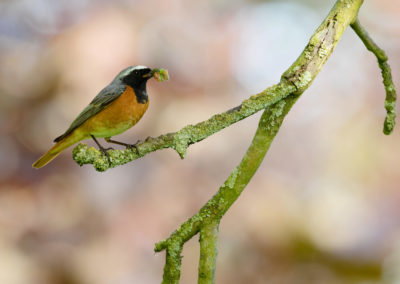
[148, 75]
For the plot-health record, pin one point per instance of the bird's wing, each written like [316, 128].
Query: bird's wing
[101, 101]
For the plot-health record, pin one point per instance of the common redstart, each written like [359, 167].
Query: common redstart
[118, 107]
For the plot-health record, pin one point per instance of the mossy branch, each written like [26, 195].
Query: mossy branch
[206, 221]
[390, 100]
[208, 251]
[300, 74]
[182, 139]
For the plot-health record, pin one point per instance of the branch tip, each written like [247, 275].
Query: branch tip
[160, 246]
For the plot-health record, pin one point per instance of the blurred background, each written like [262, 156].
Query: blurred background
[324, 207]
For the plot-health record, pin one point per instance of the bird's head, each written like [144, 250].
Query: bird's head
[135, 76]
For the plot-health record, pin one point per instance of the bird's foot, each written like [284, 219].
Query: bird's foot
[130, 146]
[104, 152]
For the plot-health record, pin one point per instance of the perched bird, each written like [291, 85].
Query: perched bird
[118, 107]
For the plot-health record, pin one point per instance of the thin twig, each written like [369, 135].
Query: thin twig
[390, 100]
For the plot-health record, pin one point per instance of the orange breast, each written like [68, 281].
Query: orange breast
[120, 115]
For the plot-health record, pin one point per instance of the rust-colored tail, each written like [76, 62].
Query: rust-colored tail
[55, 150]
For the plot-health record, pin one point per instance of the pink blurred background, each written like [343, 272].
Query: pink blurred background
[324, 206]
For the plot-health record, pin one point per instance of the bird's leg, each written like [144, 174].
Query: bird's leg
[102, 149]
[109, 140]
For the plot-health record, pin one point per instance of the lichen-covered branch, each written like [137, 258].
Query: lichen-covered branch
[208, 251]
[208, 217]
[276, 101]
[321, 44]
[390, 100]
[295, 80]
[300, 75]
[188, 135]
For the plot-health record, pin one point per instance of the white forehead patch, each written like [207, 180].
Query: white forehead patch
[139, 67]
[128, 70]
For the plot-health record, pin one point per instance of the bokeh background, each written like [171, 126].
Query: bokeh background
[324, 206]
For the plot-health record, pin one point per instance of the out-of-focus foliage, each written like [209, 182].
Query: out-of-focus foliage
[323, 208]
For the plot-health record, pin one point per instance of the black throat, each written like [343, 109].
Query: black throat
[140, 92]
